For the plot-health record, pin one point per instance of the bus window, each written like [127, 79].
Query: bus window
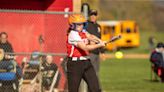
[135, 28]
[128, 30]
[106, 30]
[113, 30]
[121, 28]
[109, 30]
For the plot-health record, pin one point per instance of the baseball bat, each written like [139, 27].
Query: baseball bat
[113, 39]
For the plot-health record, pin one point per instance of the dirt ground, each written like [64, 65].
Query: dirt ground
[132, 56]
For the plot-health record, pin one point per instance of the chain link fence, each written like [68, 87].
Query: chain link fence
[32, 51]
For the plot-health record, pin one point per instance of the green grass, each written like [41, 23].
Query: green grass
[128, 75]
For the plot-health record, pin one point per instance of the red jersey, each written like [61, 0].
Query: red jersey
[73, 38]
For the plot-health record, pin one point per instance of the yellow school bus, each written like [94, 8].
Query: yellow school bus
[127, 29]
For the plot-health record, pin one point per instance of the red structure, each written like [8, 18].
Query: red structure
[51, 5]
[25, 28]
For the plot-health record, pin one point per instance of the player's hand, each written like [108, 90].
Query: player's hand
[102, 43]
[105, 42]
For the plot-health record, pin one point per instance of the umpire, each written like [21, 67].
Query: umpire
[94, 29]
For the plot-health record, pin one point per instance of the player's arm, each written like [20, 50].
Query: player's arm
[76, 40]
[89, 47]
[93, 38]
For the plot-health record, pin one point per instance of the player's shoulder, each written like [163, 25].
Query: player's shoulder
[73, 35]
[72, 32]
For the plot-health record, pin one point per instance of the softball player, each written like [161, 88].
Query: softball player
[79, 65]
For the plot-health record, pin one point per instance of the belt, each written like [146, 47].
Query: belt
[79, 58]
